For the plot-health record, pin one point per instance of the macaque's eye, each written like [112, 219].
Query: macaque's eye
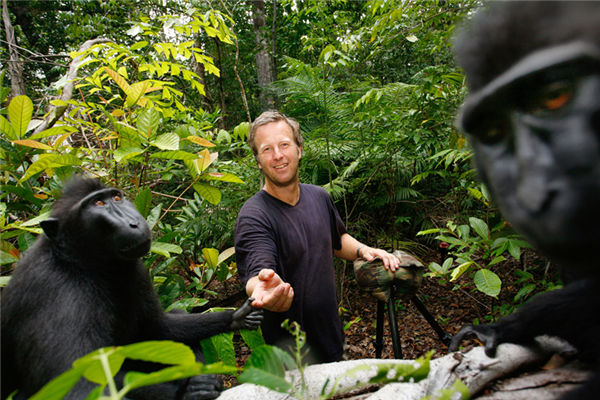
[494, 129]
[117, 197]
[552, 97]
[99, 203]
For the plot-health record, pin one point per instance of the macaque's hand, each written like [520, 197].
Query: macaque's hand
[390, 261]
[247, 317]
[271, 292]
[483, 333]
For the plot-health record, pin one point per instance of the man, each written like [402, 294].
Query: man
[285, 238]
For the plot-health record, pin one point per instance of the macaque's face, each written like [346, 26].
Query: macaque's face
[536, 134]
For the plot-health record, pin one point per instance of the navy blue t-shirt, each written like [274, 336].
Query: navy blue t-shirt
[297, 242]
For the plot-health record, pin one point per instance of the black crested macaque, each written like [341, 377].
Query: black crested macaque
[82, 286]
[533, 114]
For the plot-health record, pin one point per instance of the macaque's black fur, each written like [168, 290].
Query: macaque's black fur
[540, 157]
[82, 286]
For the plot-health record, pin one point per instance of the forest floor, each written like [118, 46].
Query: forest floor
[453, 304]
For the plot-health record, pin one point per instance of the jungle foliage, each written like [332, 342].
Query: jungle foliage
[156, 97]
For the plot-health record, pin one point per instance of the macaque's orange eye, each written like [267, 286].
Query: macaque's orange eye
[117, 197]
[554, 97]
[98, 203]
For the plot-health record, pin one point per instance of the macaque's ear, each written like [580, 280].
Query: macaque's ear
[50, 227]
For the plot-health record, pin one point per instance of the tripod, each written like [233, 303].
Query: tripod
[444, 336]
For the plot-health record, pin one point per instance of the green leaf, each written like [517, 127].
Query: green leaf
[174, 155]
[65, 160]
[225, 254]
[223, 342]
[138, 90]
[464, 232]
[514, 249]
[242, 131]
[487, 282]
[32, 144]
[496, 260]
[430, 231]
[56, 130]
[480, 227]
[447, 264]
[254, 339]
[210, 193]
[525, 291]
[154, 215]
[6, 258]
[36, 220]
[119, 81]
[266, 367]
[164, 249]
[136, 380]
[94, 371]
[211, 256]
[168, 141]
[59, 387]
[7, 129]
[266, 379]
[20, 111]
[125, 153]
[143, 201]
[38, 166]
[452, 240]
[163, 352]
[461, 269]
[148, 121]
[227, 177]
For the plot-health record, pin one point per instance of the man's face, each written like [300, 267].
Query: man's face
[278, 153]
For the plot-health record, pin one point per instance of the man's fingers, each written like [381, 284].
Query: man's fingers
[266, 274]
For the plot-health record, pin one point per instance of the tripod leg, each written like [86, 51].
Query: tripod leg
[394, 327]
[444, 336]
[379, 332]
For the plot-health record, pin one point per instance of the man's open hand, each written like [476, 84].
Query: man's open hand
[270, 292]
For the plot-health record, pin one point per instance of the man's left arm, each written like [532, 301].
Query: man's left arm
[353, 249]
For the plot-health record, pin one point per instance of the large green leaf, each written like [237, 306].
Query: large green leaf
[64, 160]
[125, 153]
[210, 193]
[168, 141]
[480, 227]
[487, 282]
[266, 367]
[59, 387]
[211, 256]
[56, 130]
[223, 344]
[20, 111]
[38, 166]
[254, 339]
[174, 155]
[164, 249]
[461, 269]
[138, 90]
[226, 177]
[148, 121]
[7, 129]
[143, 201]
[225, 254]
[163, 352]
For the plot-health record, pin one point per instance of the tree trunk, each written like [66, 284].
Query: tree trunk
[207, 102]
[263, 61]
[15, 69]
